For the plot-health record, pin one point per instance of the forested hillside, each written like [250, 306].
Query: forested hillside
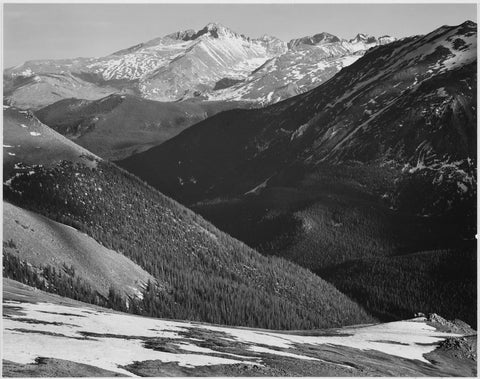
[202, 273]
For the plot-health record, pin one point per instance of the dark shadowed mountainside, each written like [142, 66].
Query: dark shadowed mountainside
[118, 126]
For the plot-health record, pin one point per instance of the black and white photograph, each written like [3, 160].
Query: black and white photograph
[239, 189]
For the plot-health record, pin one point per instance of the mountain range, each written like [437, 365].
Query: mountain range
[189, 64]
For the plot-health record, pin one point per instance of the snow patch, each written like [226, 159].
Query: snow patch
[299, 132]
[259, 349]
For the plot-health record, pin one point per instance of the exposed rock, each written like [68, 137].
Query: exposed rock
[455, 326]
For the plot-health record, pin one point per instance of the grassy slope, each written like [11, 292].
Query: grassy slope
[41, 241]
[27, 140]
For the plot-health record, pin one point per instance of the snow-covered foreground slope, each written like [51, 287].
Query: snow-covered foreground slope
[40, 328]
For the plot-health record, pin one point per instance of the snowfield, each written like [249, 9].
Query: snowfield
[109, 340]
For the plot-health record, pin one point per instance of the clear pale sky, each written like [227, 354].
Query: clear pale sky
[41, 31]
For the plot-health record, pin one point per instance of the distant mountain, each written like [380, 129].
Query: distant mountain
[201, 273]
[379, 161]
[317, 39]
[167, 68]
[28, 90]
[190, 64]
[118, 126]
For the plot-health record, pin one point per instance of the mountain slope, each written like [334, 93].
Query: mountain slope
[101, 342]
[118, 126]
[440, 280]
[202, 273]
[27, 141]
[27, 90]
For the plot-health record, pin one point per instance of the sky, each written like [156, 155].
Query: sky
[53, 31]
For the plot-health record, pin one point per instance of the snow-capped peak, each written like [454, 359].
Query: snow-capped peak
[217, 30]
[363, 38]
[317, 39]
[268, 38]
[212, 29]
[215, 26]
[470, 23]
[385, 39]
[184, 35]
